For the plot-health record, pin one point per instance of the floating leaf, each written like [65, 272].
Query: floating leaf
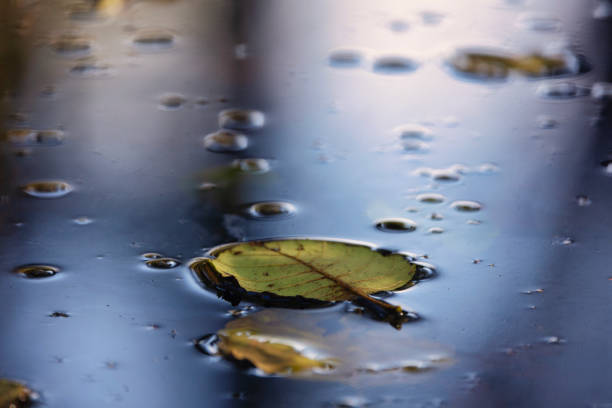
[486, 64]
[323, 346]
[14, 394]
[307, 272]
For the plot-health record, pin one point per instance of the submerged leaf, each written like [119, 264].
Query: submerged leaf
[14, 394]
[306, 272]
[323, 346]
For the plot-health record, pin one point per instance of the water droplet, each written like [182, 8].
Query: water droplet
[202, 101]
[539, 22]
[411, 209]
[560, 90]
[567, 241]
[223, 141]
[436, 217]
[607, 165]
[271, 209]
[602, 91]
[152, 255]
[241, 119]
[396, 225]
[449, 174]
[553, 340]
[466, 206]
[47, 189]
[90, 69]
[163, 263]
[533, 291]
[59, 314]
[241, 51]
[583, 201]
[242, 311]
[171, 101]
[252, 165]
[394, 64]
[154, 40]
[352, 402]
[399, 26]
[431, 17]
[209, 344]
[207, 186]
[83, 220]
[345, 58]
[546, 122]
[435, 230]
[36, 271]
[431, 198]
[603, 10]
[71, 45]
[473, 222]
[31, 137]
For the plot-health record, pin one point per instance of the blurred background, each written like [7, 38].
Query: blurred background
[105, 107]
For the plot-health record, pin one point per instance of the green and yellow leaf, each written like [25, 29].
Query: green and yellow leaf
[306, 269]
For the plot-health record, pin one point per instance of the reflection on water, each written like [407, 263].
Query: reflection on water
[127, 105]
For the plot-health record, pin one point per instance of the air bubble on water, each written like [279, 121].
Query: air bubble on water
[345, 58]
[602, 91]
[224, 141]
[153, 40]
[36, 271]
[567, 241]
[271, 209]
[583, 201]
[466, 206]
[435, 230]
[546, 122]
[171, 101]
[31, 137]
[560, 90]
[208, 344]
[436, 217]
[252, 165]
[47, 189]
[394, 64]
[396, 225]
[71, 45]
[241, 119]
[539, 22]
[431, 198]
[163, 263]
[603, 10]
[82, 220]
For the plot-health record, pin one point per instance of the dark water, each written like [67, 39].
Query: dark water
[135, 159]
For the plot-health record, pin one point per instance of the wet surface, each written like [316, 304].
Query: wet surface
[528, 324]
